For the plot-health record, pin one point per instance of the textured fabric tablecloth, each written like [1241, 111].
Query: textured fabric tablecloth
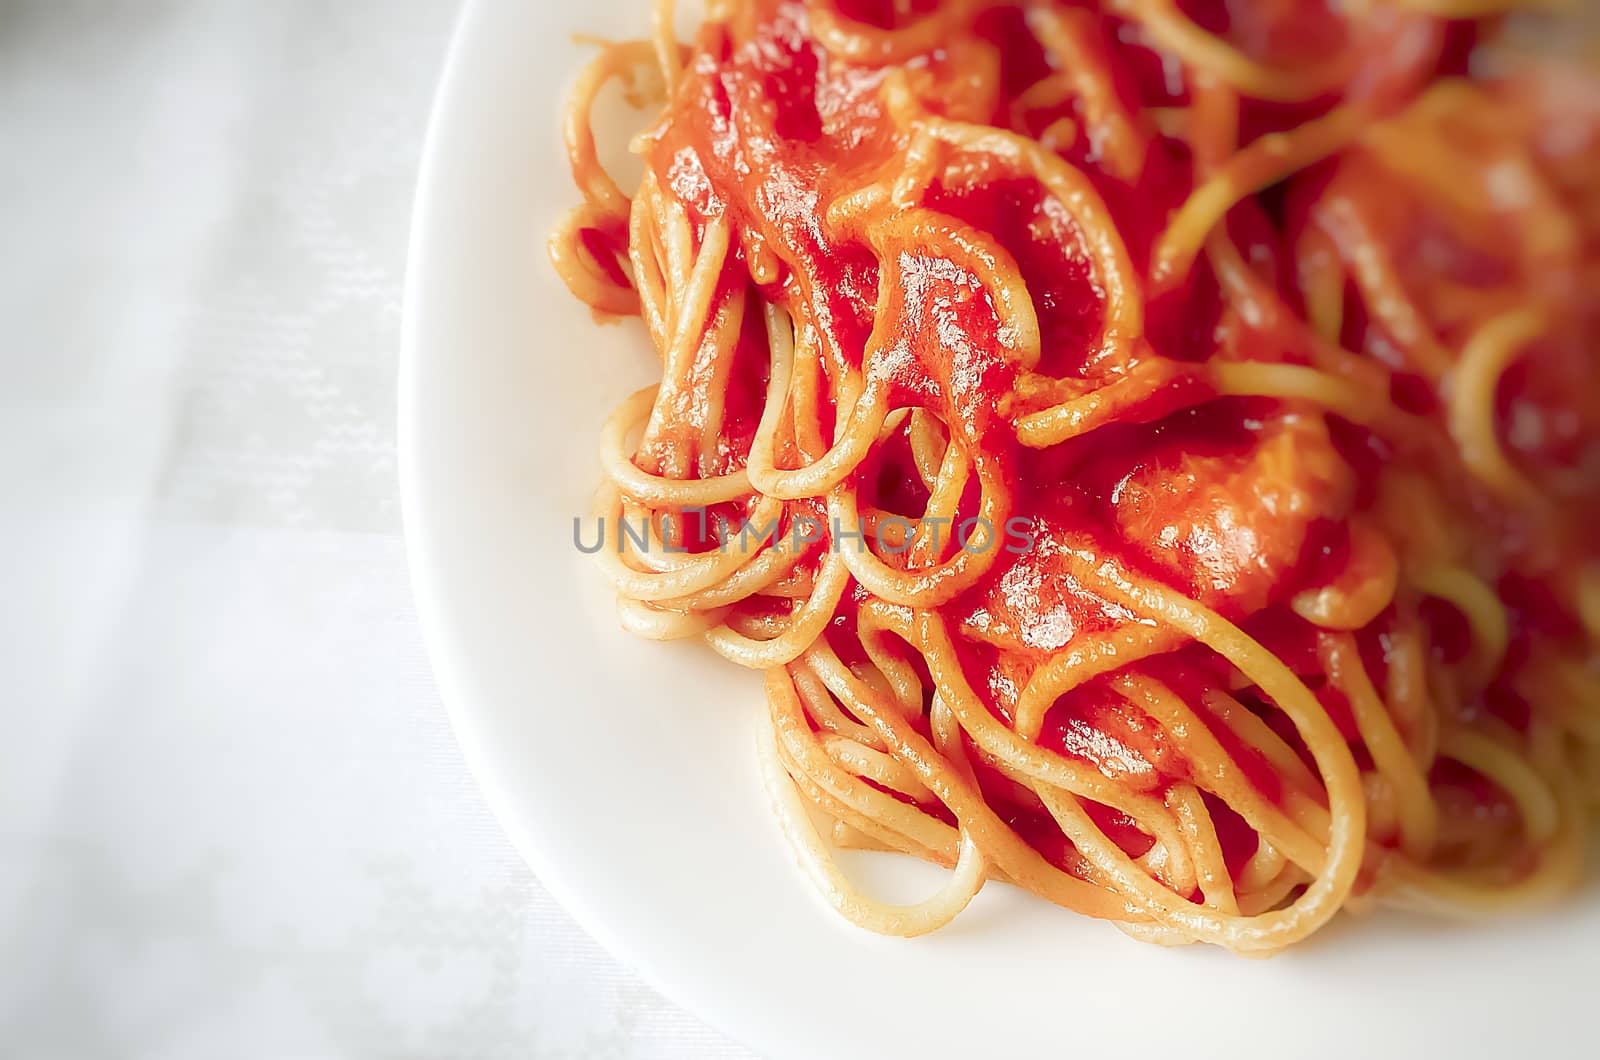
[233, 820]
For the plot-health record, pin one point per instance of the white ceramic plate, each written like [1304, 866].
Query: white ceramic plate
[625, 772]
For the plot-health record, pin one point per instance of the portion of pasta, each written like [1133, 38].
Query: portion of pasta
[1151, 447]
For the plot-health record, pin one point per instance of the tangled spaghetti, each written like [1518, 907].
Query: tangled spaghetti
[1268, 330]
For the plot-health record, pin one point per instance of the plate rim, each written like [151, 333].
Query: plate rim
[423, 566]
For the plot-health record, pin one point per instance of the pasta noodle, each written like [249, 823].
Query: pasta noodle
[1150, 447]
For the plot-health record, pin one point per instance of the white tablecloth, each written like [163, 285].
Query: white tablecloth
[232, 817]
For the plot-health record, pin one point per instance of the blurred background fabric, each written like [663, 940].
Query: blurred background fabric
[233, 820]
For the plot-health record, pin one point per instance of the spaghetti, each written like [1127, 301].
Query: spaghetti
[1150, 447]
